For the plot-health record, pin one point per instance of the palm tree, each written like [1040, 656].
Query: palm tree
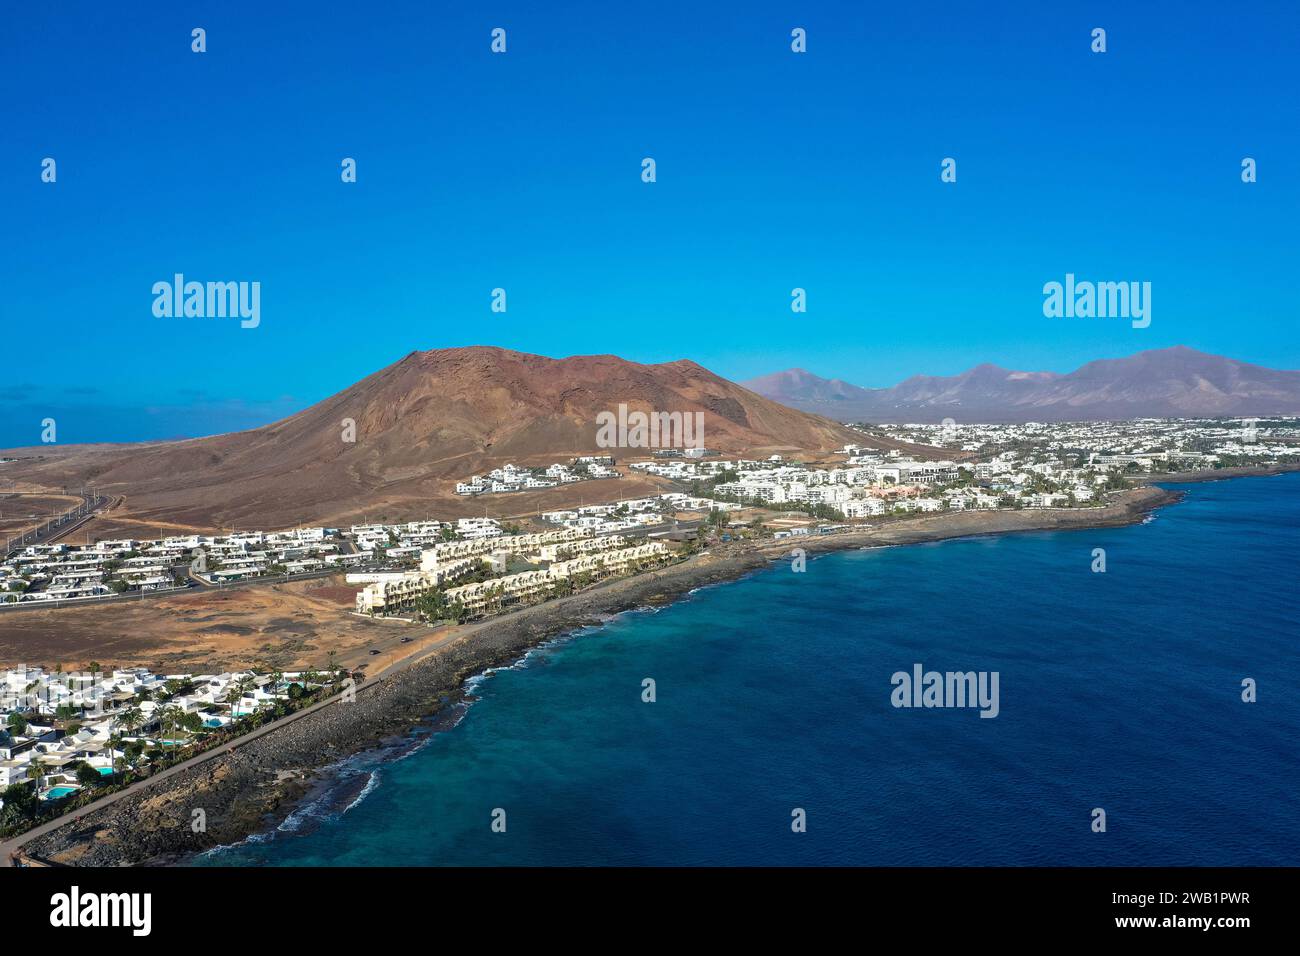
[238, 689]
[171, 719]
[131, 718]
[233, 695]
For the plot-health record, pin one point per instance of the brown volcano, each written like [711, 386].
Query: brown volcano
[422, 424]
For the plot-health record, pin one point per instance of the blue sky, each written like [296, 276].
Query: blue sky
[522, 171]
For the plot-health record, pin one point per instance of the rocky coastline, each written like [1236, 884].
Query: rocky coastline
[257, 783]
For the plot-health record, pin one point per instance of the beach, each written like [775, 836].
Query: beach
[253, 785]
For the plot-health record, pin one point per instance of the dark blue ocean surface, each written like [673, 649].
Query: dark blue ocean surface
[1120, 690]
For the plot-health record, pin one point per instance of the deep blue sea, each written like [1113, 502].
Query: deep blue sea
[1119, 690]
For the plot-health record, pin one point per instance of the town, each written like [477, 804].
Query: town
[510, 478]
[66, 736]
[471, 562]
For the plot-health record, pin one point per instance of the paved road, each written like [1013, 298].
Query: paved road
[58, 527]
[10, 847]
[429, 646]
[93, 507]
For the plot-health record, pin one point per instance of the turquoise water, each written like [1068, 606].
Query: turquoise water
[57, 793]
[1118, 690]
[105, 771]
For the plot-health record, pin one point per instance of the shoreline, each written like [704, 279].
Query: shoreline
[254, 787]
[1223, 474]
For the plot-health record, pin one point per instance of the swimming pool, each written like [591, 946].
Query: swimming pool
[58, 793]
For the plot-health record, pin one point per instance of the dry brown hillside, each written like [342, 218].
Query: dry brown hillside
[422, 424]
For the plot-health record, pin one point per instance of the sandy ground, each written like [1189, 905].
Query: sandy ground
[126, 520]
[152, 508]
[118, 522]
[289, 626]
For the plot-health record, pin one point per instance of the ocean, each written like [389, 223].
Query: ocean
[1118, 690]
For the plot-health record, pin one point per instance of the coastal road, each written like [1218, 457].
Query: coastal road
[961, 524]
[429, 646]
[426, 646]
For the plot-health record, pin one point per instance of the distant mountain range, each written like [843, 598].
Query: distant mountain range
[1172, 382]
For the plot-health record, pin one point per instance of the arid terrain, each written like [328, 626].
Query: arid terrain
[20, 512]
[289, 626]
[123, 521]
[396, 443]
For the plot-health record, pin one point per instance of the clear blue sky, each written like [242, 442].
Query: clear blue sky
[522, 170]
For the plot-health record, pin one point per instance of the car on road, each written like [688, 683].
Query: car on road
[406, 640]
[373, 651]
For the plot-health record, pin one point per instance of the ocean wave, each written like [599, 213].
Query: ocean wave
[252, 838]
[368, 789]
